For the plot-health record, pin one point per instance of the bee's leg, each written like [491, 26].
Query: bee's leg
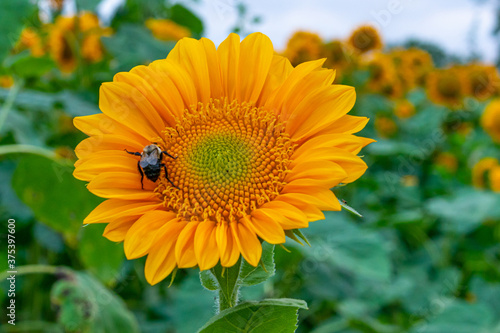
[133, 153]
[166, 175]
[142, 174]
[164, 152]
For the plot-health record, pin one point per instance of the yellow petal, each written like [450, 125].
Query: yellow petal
[122, 185]
[287, 215]
[317, 172]
[161, 258]
[255, 60]
[322, 198]
[267, 228]
[113, 209]
[116, 230]
[98, 143]
[320, 110]
[141, 235]
[278, 72]
[229, 252]
[247, 242]
[205, 245]
[229, 56]
[189, 54]
[213, 68]
[126, 105]
[278, 97]
[346, 124]
[312, 212]
[184, 249]
[104, 161]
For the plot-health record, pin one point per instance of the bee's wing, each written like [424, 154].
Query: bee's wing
[150, 159]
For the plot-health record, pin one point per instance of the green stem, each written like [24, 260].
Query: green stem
[229, 284]
[14, 149]
[9, 101]
[35, 269]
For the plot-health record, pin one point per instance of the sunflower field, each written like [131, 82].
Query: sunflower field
[153, 180]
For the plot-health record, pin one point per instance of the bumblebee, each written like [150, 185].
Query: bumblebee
[151, 163]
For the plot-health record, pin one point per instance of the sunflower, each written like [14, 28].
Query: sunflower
[445, 87]
[257, 145]
[383, 76]
[480, 81]
[167, 30]
[385, 126]
[31, 40]
[6, 81]
[68, 34]
[447, 161]
[337, 57]
[490, 120]
[404, 109]
[364, 39]
[413, 65]
[481, 172]
[303, 46]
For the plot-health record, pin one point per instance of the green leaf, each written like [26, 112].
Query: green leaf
[208, 280]
[271, 315]
[294, 233]
[348, 246]
[85, 305]
[183, 16]
[465, 210]
[250, 275]
[91, 247]
[31, 99]
[56, 198]
[228, 282]
[27, 66]
[189, 298]
[349, 208]
[13, 14]
[134, 45]
[458, 317]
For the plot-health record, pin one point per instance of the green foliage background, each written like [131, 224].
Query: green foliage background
[425, 257]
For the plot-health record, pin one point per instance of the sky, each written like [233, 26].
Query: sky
[455, 25]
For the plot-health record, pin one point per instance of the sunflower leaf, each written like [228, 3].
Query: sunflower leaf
[270, 315]
[33, 177]
[84, 304]
[208, 280]
[250, 275]
[349, 208]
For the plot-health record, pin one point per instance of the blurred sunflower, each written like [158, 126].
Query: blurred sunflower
[68, 34]
[337, 57]
[364, 39]
[447, 161]
[490, 120]
[6, 81]
[385, 126]
[30, 40]
[481, 173]
[413, 65]
[167, 30]
[404, 109]
[480, 81]
[383, 76]
[445, 87]
[258, 145]
[303, 46]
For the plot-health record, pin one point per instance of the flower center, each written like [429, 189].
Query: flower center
[231, 159]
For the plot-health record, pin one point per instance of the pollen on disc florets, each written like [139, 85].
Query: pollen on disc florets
[231, 159]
